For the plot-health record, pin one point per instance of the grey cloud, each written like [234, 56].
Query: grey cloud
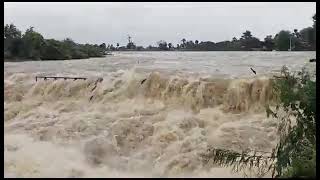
[150, 22]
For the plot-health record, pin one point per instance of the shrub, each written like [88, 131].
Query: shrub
[295, 154]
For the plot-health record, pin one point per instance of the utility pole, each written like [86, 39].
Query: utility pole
[290, 43]
[291, 35]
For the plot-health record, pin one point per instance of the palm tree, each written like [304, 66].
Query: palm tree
[190, 44]
[247, 35]
[183, 42]
[296, 33]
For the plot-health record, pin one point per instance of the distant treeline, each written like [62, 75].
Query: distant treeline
[32, 45]
[303, 40]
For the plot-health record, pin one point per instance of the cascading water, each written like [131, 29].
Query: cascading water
[123, 127]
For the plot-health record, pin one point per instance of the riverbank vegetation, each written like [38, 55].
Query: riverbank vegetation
[295, 153]
[32, 45]
[303, 40]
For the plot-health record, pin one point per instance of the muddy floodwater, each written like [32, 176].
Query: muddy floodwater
[152, 115]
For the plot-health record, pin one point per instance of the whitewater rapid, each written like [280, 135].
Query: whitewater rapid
[136, 122]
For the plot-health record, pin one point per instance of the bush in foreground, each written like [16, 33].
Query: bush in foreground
[295, 153]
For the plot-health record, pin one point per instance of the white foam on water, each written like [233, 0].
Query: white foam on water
[121, 127]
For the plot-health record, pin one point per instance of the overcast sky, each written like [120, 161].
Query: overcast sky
[150, 22]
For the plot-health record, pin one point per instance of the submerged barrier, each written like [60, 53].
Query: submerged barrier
[99, 80]
[55, 78]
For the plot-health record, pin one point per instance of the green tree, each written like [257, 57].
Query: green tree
[269, 42]
[282, 41]
[183, 42]
[162, 45]
[207, 46]
[103, 46]
[32, 45]
[307, 36]
[11, 32]
[70, 48]
[189, 45]
[12, 41]
[248, 41]
[32, 41]
[16, 47]
[246, 35]
[55, 50]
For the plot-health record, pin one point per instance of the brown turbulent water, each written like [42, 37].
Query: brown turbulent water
[121, 127]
